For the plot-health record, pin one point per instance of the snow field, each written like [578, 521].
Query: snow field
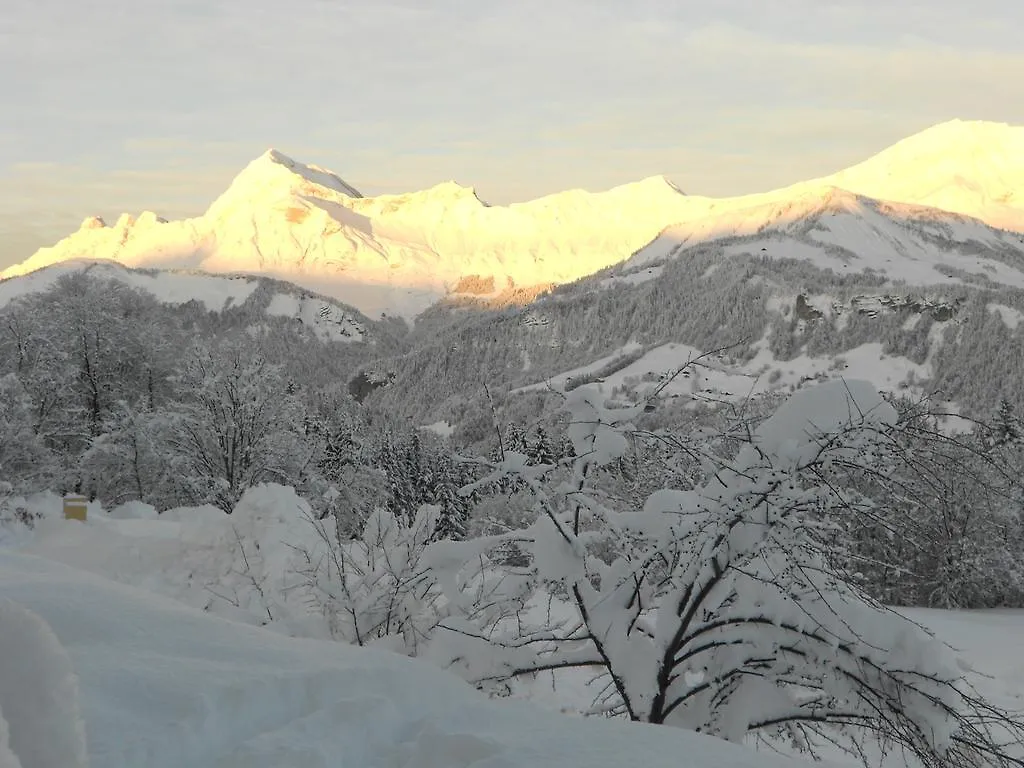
[723, 380]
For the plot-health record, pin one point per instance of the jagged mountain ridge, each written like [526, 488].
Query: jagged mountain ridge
[396, 253]
[400, 253]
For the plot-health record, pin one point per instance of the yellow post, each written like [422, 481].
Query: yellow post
[75, 507]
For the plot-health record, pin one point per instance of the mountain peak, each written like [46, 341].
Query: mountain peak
[957, 140]
[660, 181]
[653, 189]
[273, 161]
[276, 156]
[451, 189]
[275, 174]
[960, 127]
[970, 167]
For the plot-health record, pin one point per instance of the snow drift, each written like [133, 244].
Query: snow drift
[165, 686]
[40, 726]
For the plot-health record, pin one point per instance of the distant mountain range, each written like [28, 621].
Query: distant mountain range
[943, 207]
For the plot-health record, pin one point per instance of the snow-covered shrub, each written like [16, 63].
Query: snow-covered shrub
[260, 541]
[375, 589]
[951, 531]
[18, 515]
[380, 589]
[726, 610]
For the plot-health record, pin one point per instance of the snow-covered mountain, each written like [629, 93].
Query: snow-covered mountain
[954, 188]
[393, 253]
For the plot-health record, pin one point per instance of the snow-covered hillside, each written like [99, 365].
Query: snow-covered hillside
[849, 233]
[163, 685]
[716, 378]
[329, 320]
[948, 189]
[214, 292]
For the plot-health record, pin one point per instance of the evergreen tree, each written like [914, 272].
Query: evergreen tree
[393, 461]
[416, 469]
[453, 514]
[338, 453]
[542, 450]
[513, 441]
[1007, 427]
[515, 438]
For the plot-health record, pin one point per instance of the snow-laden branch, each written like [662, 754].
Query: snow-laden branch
[724, 608]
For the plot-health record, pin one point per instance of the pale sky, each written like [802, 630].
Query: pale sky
[127, 105]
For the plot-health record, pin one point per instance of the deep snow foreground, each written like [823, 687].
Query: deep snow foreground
[163, 685]
[163, 681]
